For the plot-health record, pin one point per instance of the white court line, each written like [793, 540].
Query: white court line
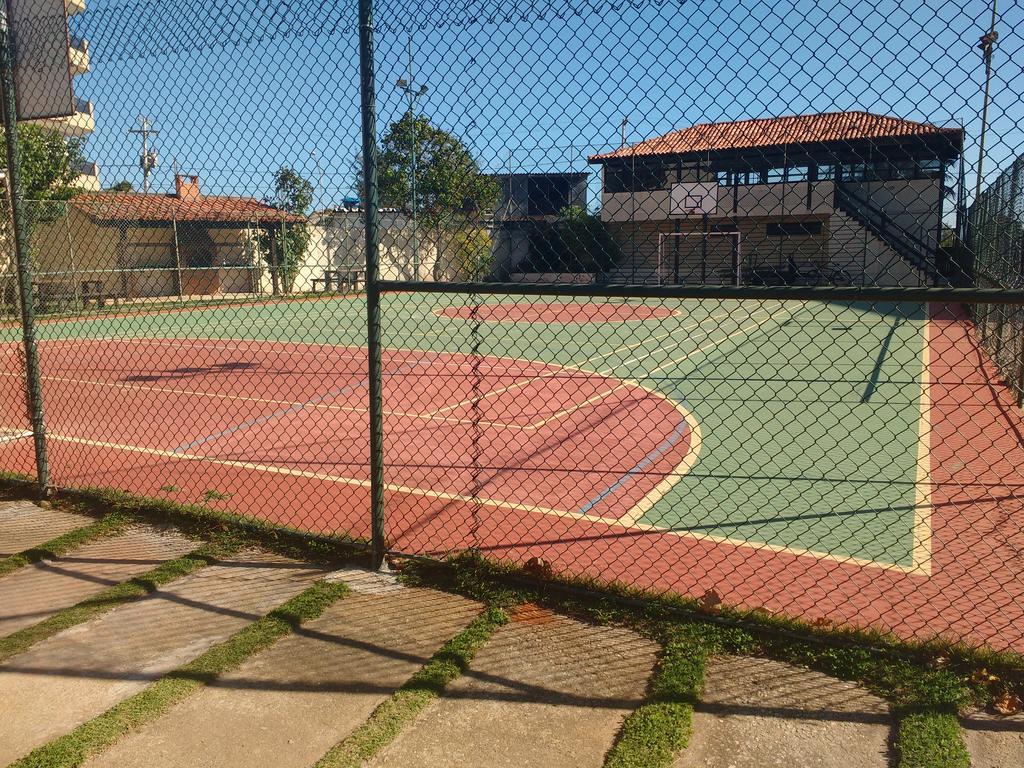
[590, 360]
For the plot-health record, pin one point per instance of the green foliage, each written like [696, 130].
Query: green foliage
[121, 186]
[293, 194]
[448, 179]
[577, 242]
[931, 740]
[49, 162]
[49, 165]
[660, 728]
[471, 253]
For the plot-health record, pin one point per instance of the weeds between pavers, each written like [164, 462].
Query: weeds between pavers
[426, 685]
[109, 525]
[924, 688]
[102, 731]
[110, 598]
[929, 679]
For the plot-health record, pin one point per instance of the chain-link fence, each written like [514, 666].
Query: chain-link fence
[996, 244]
[680, 296]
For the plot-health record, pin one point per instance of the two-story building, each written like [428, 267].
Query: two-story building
[530, 206]
[839, 198]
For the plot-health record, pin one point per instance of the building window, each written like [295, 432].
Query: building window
[640, 177]
[793, 228]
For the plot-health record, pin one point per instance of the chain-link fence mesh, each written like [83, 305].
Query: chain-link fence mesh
[714, 299]
[996, 243]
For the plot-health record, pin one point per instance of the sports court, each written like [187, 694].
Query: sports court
[808, 457]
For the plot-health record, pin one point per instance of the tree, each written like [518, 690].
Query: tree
[577, 242]
[449, 183]
[49, 165]
[292, 194]
[121, 186]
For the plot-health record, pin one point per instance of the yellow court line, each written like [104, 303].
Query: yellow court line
[921, 557]
[340, 479]
[483, 501]
[573, 408]
[578, 366]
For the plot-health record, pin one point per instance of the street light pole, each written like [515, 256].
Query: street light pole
[413, 93]
[987, 44]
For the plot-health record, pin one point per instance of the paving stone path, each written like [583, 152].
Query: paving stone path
[24, 525]
[545, 690]
[35, 592]
[757, 713]
[82, 672]
[290, 704]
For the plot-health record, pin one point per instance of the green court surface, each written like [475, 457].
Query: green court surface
[810, 414]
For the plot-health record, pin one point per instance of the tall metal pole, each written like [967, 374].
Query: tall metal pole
[23, 258]
[412, 116]
[987, 44]
[367, 99]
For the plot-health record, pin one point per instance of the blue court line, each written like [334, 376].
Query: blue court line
[681, 429]
[284, 412]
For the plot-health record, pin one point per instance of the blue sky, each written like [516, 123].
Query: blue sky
[236, 89]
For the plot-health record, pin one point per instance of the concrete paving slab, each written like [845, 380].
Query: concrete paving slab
[23, 525]
[30, 594]
[994, 741]
[545, 691]
[757, 713]
[82, 672]
[286, 707]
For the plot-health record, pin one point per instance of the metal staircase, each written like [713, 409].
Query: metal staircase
[909, 246]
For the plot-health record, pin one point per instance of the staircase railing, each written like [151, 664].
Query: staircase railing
[914, 249]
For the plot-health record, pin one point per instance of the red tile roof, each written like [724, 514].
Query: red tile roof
[777, 131]
[136, 206]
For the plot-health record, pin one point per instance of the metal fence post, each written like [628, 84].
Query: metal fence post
[24, 262]
[373, 347]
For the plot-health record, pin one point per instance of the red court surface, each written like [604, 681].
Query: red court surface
[566, 313]
[280, 430]
[283, 425]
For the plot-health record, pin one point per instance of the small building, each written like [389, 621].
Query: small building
[847, 198]
[337, 248]
[134, 245]
[530, 206]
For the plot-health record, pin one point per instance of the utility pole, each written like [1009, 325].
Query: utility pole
[987, 44]
[148, 157]
[625, 123]
[408, 86]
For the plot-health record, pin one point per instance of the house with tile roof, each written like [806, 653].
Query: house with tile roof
[135, 245]
[846, 197]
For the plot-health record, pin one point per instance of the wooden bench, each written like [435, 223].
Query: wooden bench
[336, 279]
[92, 291]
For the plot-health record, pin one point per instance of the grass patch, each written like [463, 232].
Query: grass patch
[119, 594]
[931, 740]
[660, 728]
[102, 731]
[109, 525]
[388, 719]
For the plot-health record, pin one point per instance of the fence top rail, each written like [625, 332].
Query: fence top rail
[792, 293]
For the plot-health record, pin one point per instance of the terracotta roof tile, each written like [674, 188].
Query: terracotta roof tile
[777, 131]
[136, 206]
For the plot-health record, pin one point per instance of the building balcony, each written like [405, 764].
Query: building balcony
[80, 124]
[88, 177]
[78, 55]
[74, 7]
